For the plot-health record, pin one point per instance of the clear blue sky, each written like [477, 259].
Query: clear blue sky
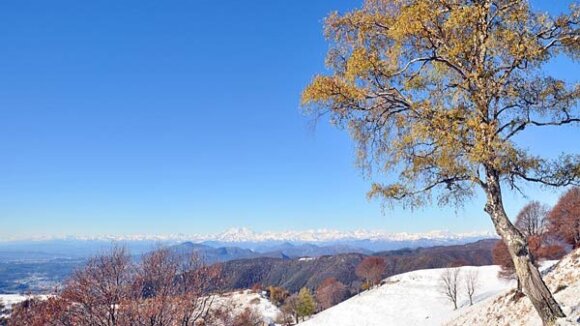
[141, 116]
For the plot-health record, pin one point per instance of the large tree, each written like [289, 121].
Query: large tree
[435, 93]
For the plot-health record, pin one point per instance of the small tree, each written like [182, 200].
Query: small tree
[471, 284]
[436, 94]
[449, 284]
[278, 295]
[290, 309]
[330, 292]
[564, 218]
[100, 287]
[532, 219]
[371, 270]
[306, 305]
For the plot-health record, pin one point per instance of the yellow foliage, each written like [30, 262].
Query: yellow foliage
[436, 89]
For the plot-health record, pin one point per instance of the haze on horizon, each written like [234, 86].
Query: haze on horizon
[143, 117]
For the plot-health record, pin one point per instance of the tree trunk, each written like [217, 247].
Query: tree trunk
[528, 275]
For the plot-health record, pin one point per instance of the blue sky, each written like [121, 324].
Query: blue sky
[122, 117]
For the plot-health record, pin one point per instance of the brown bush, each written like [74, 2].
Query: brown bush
[278, 295]
[38, 312]
[330, 292]
[371, 269]
[226, 315]
[162, 290]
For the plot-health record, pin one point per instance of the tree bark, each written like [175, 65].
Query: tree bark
[528, 275]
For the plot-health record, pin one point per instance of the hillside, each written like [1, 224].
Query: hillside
[295, 273]
[408, 299]
[414, 299]
[563, 279]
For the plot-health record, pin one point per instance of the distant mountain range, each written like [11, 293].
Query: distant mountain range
[294, 274]
[235, 236]
[213, 254]
[39, 266]
[238, 244]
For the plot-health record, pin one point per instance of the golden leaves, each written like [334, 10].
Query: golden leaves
[435, 89]
[359, 63]
[331, 91]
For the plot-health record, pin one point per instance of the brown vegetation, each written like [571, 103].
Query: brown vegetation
[564, 218]
[371, 270]
[330, 292]
[293, 274]
[278, 295]
[111, 290]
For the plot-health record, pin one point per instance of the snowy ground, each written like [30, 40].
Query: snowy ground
[12, 299]
[239, 301]
[247, 299]
[414, 298]
[563, 279]
[407, 299]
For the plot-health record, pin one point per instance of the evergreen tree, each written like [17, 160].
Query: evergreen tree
[306, 304]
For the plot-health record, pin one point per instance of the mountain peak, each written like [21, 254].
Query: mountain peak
[244, 234]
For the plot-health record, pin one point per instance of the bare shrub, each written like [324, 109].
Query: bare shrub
[449, 284]
[100, 287]
[226, 315]
[111, 290]
[471, 284]
[532, 219]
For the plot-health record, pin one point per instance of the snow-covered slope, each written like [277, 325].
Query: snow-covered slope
[408, 299]
[414, 298]
[563, 279]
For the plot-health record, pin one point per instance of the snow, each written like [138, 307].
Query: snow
[236, 235]
[414, 298]
[11, 299]
[241, 300]
[563, 280]
[408, 299]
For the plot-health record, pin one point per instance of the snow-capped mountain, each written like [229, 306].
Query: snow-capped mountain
[240, 235]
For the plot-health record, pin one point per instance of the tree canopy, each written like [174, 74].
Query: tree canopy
[436, 90]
